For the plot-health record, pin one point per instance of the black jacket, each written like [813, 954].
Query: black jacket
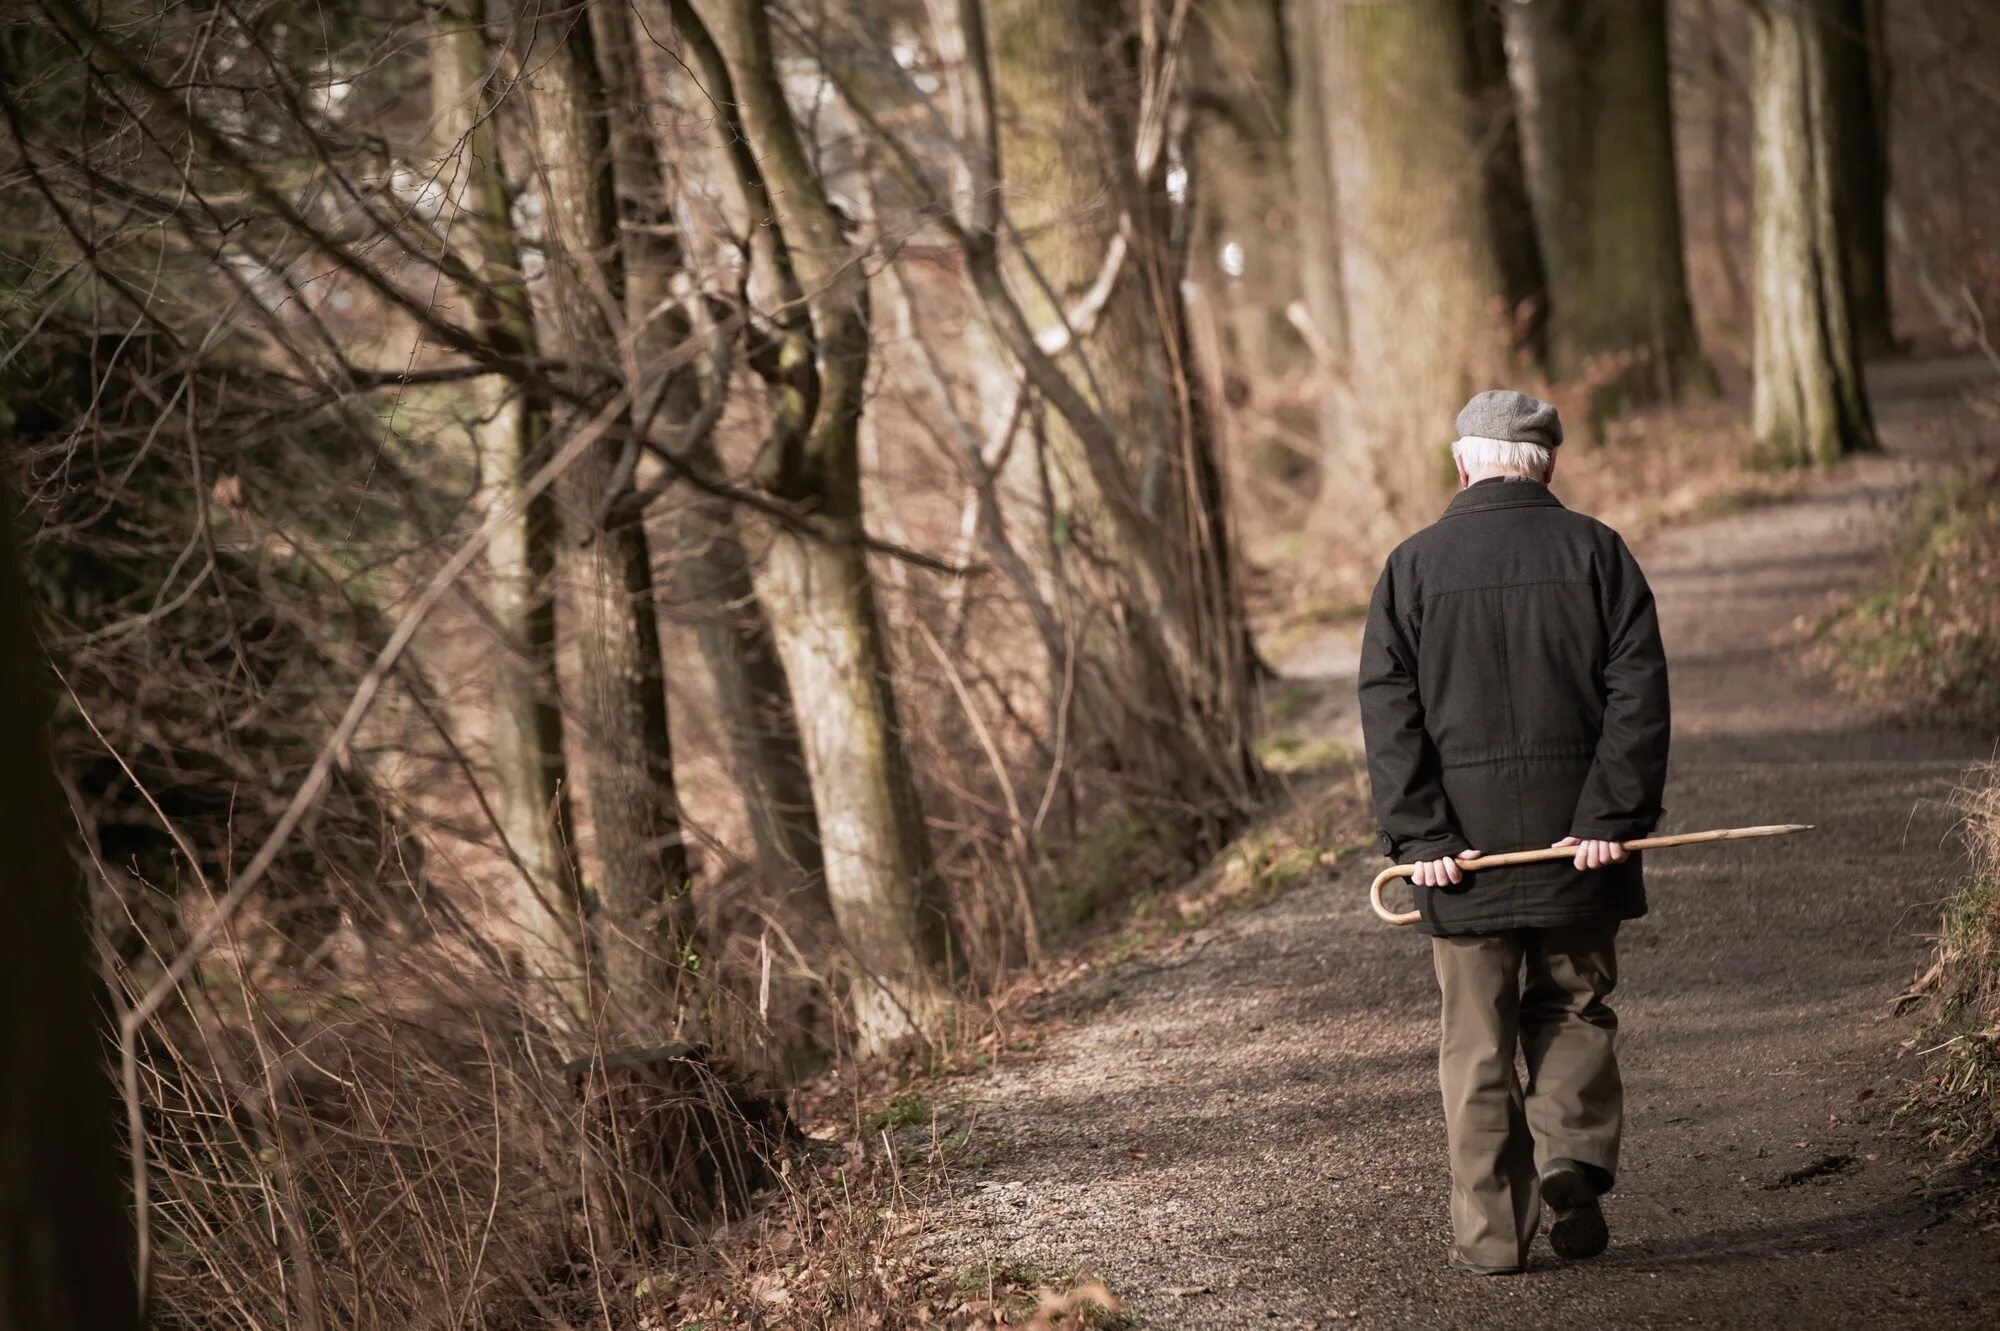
[1514, 692]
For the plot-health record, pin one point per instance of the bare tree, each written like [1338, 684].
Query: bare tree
[508, 422]
[1240, 102]
[1320, 308]
[1124, 484]
[886, 895]
[711, 578]
[645, 919]
[1810, 406]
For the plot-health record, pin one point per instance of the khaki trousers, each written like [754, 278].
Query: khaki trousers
[1541, 991]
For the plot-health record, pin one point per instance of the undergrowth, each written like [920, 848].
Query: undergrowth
[1927, 641]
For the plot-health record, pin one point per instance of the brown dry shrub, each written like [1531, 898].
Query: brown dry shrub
[416, 1150]
[1958, 1099]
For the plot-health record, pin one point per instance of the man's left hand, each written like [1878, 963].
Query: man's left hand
[1595, 854]
[1443, 871]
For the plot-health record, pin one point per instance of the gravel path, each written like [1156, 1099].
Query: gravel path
[1248, 1134]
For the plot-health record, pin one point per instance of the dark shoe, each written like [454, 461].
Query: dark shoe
[1459, 1263]
[1579, 1230]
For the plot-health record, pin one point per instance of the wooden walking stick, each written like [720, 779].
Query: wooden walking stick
[1568, 852]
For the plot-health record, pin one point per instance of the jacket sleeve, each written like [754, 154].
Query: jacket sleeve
[1403, 769]
[1628, 775]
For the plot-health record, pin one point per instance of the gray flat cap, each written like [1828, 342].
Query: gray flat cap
[1501, 413]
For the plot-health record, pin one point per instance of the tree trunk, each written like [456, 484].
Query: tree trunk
[1430, 314]
[1859, 77]
[1606, 199]
[885, 893]
[711, 583]
[887, 898]
[508, 425]
[65, 1221]
[1809, 406]
[1503, 181]
[645, 920]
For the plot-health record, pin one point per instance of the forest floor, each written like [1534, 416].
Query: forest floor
[1246, 1131]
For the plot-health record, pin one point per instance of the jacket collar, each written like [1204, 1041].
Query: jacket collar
[1513, 494]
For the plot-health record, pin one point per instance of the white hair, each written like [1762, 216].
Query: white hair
[1477, 454]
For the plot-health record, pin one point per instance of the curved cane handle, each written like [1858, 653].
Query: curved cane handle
[1562, 853]
[1375, 894]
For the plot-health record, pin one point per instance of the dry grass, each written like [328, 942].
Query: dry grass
[1958, 1099]
[419, 1152]
[403, 1143]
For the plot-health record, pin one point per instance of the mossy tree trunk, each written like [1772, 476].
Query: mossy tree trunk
[508, 423]
[1607, 203]
[1065, 95]
[1410, 114]
[887, 898]
[1810, 406]
[645, 919]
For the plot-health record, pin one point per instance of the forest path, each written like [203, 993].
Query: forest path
[1248, 1132]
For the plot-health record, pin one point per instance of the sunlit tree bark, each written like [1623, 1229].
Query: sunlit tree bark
[1606, 199]
[645, 919]
[887, 898]
[508, 423]
[1810, 406]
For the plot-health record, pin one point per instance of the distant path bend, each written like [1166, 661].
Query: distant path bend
[1249, 1135]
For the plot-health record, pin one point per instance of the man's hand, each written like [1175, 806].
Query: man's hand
[1442, 872]
[1595, 854]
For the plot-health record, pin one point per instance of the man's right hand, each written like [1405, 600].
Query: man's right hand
[1442, 872]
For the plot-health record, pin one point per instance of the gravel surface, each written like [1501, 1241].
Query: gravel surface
[1248, 1133]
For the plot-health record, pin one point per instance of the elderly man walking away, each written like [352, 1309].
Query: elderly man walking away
[1514, 695]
